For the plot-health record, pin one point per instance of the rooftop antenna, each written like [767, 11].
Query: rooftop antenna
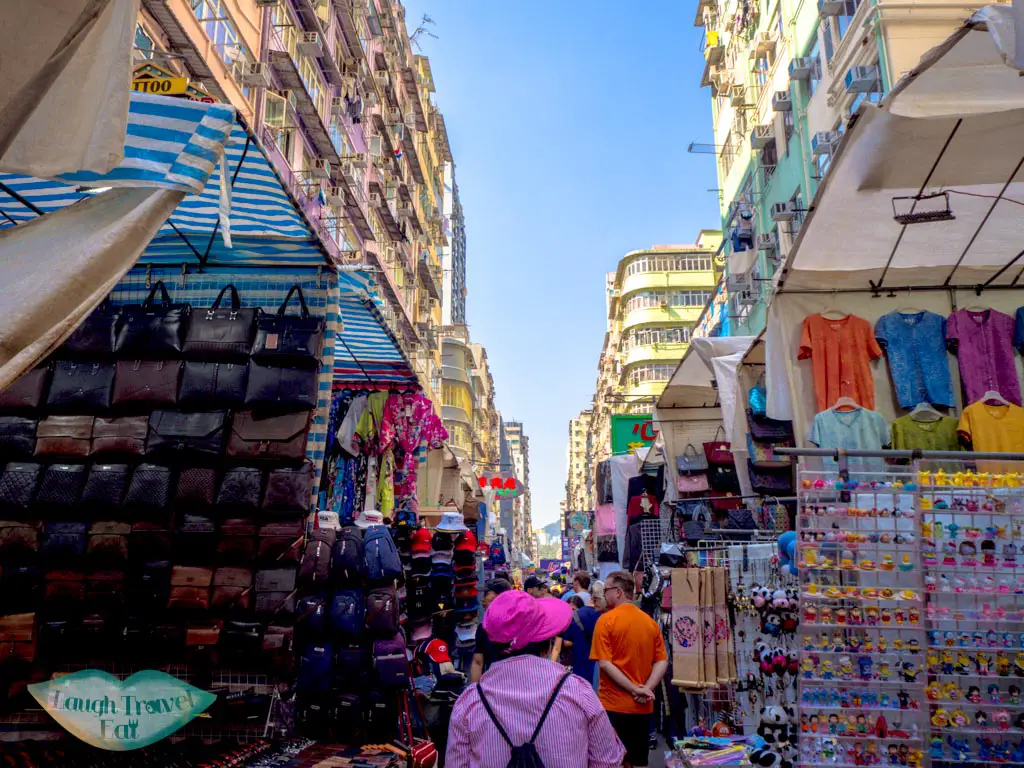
[422, 30]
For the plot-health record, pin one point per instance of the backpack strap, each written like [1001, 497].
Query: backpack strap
[494, 719]
[547, 708]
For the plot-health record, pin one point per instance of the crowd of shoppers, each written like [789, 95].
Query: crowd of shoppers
[523, 707]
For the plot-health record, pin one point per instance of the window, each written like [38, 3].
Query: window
[826, 35]
[678, 298]
[846, 16]
[645, 337]
[651, 372]
[669, 263]
[787, 127]
[728, 154]
[796, 202]
[216, 22]
[143, 43]
[815, 56]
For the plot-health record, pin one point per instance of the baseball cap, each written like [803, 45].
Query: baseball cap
[466, 542]
[441, 557]
[465, 633]
[420, 565]
[518, 619]
[421, 542]
[464, 557]
[435, 650]
[532, 582]
[466, 590]
[443, 541]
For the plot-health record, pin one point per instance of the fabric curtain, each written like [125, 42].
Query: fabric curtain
[67, 82]
[56, 269]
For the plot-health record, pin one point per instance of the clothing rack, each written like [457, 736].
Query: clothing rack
[744, 496]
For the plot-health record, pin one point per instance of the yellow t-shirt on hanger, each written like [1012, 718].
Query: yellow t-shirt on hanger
[993, 428]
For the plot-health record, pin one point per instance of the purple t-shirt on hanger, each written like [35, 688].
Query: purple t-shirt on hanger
[983, 343]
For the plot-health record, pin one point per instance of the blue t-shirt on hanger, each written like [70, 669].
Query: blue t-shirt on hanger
[915, 344]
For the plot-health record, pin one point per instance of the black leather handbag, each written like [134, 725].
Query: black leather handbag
[212, 386]
[28, 392]
[281, 390]
[186, 436]
[62, 485]
[221, 334]
[147, 384]
[288, 339]
[106, 485]
[240, 489]
[81, 388]
[289, 489]
[18, 483]
[197, 487]
[150, 487]
[94, 338]
[151, 330]
[17, 437]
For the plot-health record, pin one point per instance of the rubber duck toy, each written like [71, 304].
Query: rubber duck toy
[905, 564]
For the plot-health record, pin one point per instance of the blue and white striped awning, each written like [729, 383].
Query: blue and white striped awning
[174, 143]
[366, 353]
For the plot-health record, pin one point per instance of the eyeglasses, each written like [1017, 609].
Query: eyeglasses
[606, 590]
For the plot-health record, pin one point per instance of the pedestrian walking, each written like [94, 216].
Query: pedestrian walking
[486, 653]
[578, 637]
[527, 710]
[536, 587]
[630, 654]
[580, 587]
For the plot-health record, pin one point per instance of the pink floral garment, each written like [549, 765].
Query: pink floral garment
[409, 420]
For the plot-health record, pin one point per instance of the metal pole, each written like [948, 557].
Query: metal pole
[890, 454]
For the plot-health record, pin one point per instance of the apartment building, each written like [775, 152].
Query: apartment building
[579, 486]
[653, 301]
[521, 532]
[345, 111]
[454, 255]
[786, 78]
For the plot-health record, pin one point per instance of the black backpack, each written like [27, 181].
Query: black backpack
[347, 565]
[525, 755]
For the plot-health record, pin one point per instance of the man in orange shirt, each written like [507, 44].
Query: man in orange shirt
[630, 653]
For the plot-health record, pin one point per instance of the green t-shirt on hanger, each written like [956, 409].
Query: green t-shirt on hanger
[909, 434]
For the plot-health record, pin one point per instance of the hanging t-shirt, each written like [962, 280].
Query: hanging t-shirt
[993, 428]
[840, 352]
[909, 434]
[1018, 329]
[857, 429]
[915, 343]
[983, 343]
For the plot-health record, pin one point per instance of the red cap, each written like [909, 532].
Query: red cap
[466, 542]
[437, 651]
[421, 541]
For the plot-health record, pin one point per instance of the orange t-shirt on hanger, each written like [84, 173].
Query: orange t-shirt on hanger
[841, 352]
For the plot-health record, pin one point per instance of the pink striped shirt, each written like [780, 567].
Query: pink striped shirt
[576, 734]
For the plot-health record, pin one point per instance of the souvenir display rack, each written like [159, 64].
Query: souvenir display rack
[862, 634]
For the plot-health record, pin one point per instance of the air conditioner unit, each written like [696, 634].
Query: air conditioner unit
[376, 199]
[357, 159]
[348, 171]
[393, 115]
[309, 44]
[767, 242]
[800, 68]
[861, 79]
[738, 95]
[382, 79]
[782, 212]
[822, 143]
[336, 196]
[337, 105]
[398, 130]
[762, 136]
[405, 209]
[370, 99]
[738, 282]
[253, 74]
[830, 7]
[782, 102]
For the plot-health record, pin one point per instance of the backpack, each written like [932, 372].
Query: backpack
[381, 555]
[310, 620]
[382, 611]
[391, 662]
[347, 613]
[314, 668]
[419, 600]
[525, 755]
[347, 564]
[349, 668]
[315, 566]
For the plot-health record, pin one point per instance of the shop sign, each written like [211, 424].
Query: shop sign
[502, 483]
[117, 715]
[632, 432]
[577, 521]
[149, 78]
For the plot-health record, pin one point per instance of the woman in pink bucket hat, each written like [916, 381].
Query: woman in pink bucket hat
[527, 704]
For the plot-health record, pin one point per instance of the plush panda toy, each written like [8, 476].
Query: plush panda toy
[775, 725]
[769, 758]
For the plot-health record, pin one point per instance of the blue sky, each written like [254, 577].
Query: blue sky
[569, 122]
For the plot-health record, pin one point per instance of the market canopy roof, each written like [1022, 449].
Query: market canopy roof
[266, 226]
[954, 124]
[693, 384]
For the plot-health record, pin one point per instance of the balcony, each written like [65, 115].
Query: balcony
[655, 280]
[661, 316]
[641, 353]
[429, 276]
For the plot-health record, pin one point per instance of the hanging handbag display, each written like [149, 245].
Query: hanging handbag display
[28, 392]
[274, 437]
[280, 542]
[221, 334]
[777, 482]
[150, 543]
[695, 520]
[80, 387]
[147, 384]
[741, 519]
[691, 462]
[151, 330]
[765, 430]
[197, 487]
[763, 454]
[19, 539]
[106, 485]
[288, 339]
[207, 386]
[724, 478]
[240, 489]
[150, 487]
[123, 436]
[18, 483]
[692, 483]
[726, 501]
[61, 485]
[237, 543]
[94, 338]
[17, 437]
[64, 539]
[273, 389]
[195, 540]
[289, 489]
[718, 452]
[757, 397]
[185, 436]
[65, 436]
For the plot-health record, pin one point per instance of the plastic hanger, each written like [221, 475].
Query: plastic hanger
[976, 308]
[993, 395]
[925, 412]
[845, 402]
[830, 309]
